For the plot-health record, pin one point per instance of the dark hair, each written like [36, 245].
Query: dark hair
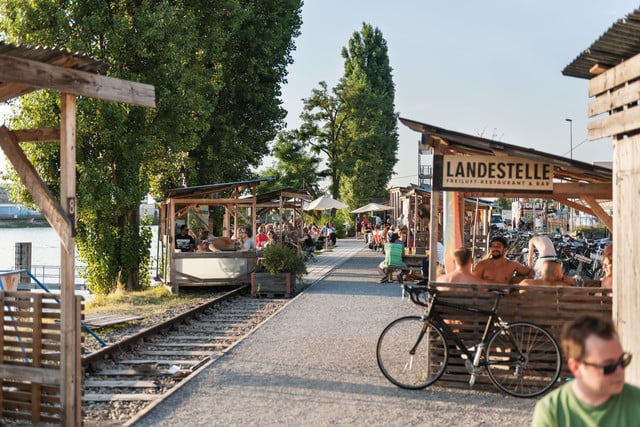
[501, 240]
[248, 231]
[183, 227]
[394, 238]
[575, 333]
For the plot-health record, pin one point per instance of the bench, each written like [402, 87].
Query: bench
[547, 306]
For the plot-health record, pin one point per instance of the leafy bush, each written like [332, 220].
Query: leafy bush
[283, 259]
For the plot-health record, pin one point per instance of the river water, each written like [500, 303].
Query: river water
[45, 245]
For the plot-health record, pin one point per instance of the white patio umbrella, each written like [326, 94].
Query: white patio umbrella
[372, 207]
[324, 203]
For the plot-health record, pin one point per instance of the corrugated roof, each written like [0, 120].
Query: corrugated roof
[458, 142]
[60, 57]
[209, 189]
[617, 44]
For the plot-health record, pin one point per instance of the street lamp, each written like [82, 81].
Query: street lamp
[570, 138]
[571, 157]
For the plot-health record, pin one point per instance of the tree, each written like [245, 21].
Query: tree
[294, 166]
[190, 53]
[354, 124]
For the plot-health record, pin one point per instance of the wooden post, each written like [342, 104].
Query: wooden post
[70, 382]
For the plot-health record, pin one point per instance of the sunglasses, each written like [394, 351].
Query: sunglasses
[610, 368]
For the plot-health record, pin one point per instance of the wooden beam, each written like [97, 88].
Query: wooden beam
[578, 206]
[41, 195]
[603, 216]
[39, 75]
[37, 135]
[71, 387]
[595, 190]
[597, 69]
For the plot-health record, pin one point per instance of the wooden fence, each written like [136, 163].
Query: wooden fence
[30, 356]
[547, 306]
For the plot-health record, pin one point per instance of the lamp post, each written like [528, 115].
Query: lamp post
[570, 138]
[571, 157]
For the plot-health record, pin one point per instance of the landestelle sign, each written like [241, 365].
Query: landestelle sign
[488, 173]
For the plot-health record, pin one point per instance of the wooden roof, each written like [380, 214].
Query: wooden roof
[27, 69]
[617, 44]
[580, 185]
[211, 190]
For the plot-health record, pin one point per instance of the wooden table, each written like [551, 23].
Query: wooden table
[414, 262]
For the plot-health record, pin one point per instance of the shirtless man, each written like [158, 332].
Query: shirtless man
[497, 268]
[550, 274]
[462, 273]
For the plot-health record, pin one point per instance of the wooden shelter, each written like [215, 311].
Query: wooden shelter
[612, 66]
[24, 70]
[472, 166]
[241, 205]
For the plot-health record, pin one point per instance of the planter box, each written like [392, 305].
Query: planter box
[273, 284]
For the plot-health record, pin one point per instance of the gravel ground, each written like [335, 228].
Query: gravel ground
[314, 364]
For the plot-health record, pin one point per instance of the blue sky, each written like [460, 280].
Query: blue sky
[490, 68]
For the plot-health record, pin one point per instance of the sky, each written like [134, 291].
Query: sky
[486, 68]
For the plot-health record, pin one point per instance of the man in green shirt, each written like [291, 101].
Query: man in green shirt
[392, 259]
[598, 395]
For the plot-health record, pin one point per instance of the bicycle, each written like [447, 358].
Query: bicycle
[521, 358]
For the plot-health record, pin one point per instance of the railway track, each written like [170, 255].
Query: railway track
[123, 381]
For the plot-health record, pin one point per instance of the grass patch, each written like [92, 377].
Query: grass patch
[144, 303]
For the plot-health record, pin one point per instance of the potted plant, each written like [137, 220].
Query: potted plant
[279, 269]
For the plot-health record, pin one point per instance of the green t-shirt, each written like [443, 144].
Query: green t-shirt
[562, 408]
[393, 254]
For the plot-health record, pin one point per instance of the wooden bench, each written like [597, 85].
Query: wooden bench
[547, 306]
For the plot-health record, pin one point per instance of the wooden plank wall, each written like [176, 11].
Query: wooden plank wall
[30, 357]
[616, 114]
[547, 306]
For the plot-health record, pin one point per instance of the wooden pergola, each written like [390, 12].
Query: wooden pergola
[580, 185]
[24, 70]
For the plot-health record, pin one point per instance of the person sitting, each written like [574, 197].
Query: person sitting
[598, 394]
[550, 275]
[271, 239]
[463, 258]
[261, 237]
[206, 243]
[392, 259]
[247, 240]
[607, 265]
[184, 241]
[497, 268]
[307, 245]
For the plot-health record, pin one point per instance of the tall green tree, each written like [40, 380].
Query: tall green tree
[354, 124]
[185, 50]
[294, 167]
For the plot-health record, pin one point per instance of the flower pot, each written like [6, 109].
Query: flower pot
[273, 284]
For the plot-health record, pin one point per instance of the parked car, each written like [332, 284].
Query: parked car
[497, 222]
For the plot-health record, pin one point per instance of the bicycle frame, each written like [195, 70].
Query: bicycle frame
[434, 317]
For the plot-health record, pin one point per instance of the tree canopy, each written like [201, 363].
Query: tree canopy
[354, 124]
[217, 67]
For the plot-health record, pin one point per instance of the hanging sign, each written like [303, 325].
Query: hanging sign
[491, 173]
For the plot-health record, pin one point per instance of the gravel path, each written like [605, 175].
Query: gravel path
[314, 364]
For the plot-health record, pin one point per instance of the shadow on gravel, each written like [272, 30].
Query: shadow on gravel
[326, 388]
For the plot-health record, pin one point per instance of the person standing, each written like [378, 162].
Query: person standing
[545, 248]
[598, 395]
[497, 268]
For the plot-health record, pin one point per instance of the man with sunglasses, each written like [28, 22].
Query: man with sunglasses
[598, 395]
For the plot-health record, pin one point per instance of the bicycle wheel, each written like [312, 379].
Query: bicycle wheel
[524, 360]
[406, 370]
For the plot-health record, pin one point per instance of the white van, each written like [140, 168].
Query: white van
[497, 223]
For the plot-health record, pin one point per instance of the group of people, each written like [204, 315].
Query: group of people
[497, 268]
[207, 242]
